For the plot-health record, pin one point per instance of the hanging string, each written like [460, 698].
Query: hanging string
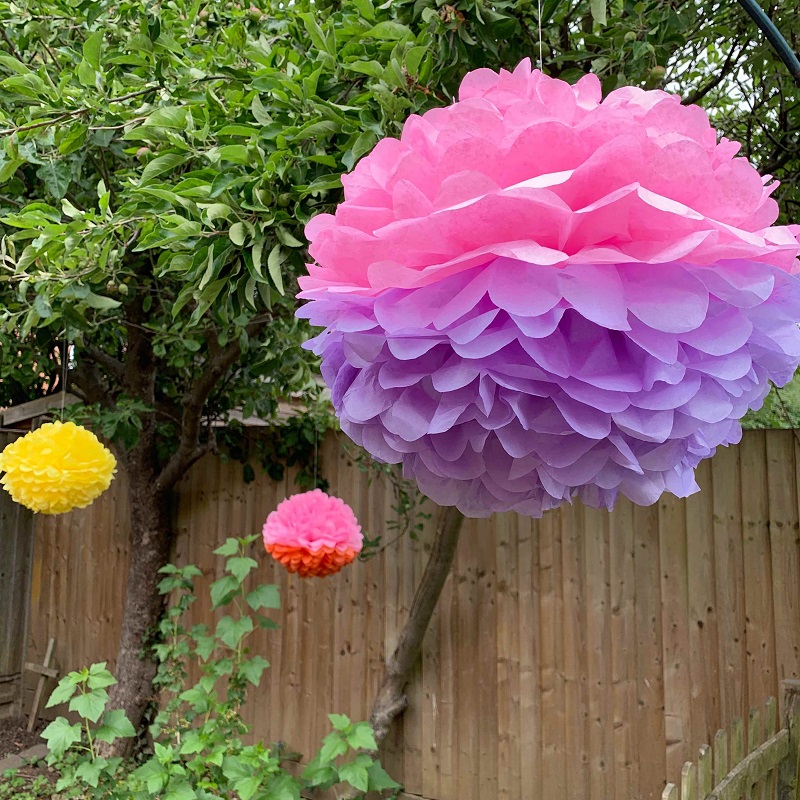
[64, 369]
[541, 49]
[316, 452]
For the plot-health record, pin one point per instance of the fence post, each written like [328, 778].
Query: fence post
[789, 775]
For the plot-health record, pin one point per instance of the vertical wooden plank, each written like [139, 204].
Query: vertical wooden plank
[729, 563]
[486, 654]
[467, 672]
[754, 739]
[705, 771]
[623, 654]
[554, 769]
[650, 733]
[702, 623]
[757, 586]
[598, 633]
[789, 770]
[394, 559]
[430, 734]
[448, 664]
[783, 477]
[737, 751]
[689, 781]
[507, 668]
[674, 617]
[720, 756]
[671, 792]
[575, 652]
[526, 714]
[770, 729]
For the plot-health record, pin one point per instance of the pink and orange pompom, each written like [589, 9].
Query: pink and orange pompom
[313, 534]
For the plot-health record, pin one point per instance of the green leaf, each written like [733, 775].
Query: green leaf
[159, 165]
[115, 725]
[356, 775]
[205, 646]
[373, 68]
[90, 705]
[264, 596]
[230, 548]
[91, 49]
[283, 787]
[168, 117]
[247, 787]
[56, 176]
[89, 773]
[100, 677]
[235, 769]
[73, 140]
[413, 59]
[223, 590]
[63, 692]
[598, 9]
[179, 789]
[259, 112]
[333, 746]
[100, 302]
[238, 233]
[236, 153]
[339, 721]
[379, 779]
[389, 31]
[240, 567]
[362, 737]
[274, 262]
[9, 62]
[253, 669]
[231, 631]
[284, 237]
[86, 75]
[60, 736]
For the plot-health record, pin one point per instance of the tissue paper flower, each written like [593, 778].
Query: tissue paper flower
[536, 294]
[56, 468]
[313, 534]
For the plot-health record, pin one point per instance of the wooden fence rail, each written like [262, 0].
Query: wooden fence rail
[752, 762]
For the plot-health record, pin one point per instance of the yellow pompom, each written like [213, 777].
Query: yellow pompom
[56, 468]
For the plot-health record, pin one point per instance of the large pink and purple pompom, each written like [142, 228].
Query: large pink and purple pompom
[536, 294]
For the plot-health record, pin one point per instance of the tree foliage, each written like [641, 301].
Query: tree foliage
[159, 160]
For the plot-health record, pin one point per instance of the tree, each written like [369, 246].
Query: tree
[158, 163]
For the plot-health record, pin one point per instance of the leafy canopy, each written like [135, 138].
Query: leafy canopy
[158, 161]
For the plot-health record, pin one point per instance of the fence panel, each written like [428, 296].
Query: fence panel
[16, 542]
[544, 630]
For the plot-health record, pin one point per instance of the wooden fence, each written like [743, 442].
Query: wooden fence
[16, 544]
[582, 657]
[751, 761]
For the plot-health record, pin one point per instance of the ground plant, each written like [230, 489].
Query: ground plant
[197, 746]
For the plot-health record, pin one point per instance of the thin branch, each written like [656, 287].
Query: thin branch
[699, 94]
[13, 50]
[391, 700]
[76, 113]
[220, 360]
[108, 362]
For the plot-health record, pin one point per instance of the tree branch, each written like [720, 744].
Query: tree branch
[220, 360]
[108, 362]
[391, 700]
[77, 112]
[725, 70]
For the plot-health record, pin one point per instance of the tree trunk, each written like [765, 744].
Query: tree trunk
[391, 700]
[151, 537]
